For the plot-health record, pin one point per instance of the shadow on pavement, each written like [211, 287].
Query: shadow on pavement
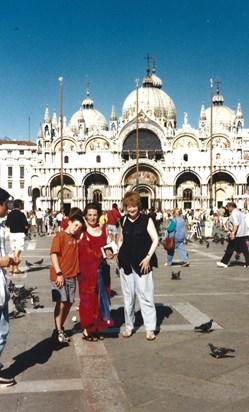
[39, 353]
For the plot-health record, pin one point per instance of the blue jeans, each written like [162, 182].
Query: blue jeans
[4, 327]
[180, 249]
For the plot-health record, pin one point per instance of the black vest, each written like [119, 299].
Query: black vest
[136, 244]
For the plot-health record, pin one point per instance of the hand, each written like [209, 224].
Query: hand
[59, 281]
[232, 236]
[145, 265]
[15, 261]
[5, 261]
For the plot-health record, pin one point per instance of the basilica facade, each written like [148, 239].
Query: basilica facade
[143, 149]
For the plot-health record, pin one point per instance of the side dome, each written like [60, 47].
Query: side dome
[91, 117]
[151, 100]
[223, 117]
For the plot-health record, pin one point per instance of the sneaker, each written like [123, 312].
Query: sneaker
[4, 382]
[221, 265]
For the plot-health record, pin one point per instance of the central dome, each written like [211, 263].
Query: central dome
[151, 100]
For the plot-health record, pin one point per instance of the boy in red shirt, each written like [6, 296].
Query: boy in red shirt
[63, 273]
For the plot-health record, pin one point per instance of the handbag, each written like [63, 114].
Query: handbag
[169, 243]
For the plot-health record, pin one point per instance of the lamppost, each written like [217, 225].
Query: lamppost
[137, 146]
[61, 141]
[211, 145]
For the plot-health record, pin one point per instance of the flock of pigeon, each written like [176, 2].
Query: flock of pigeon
[216, 351]
[21, 295]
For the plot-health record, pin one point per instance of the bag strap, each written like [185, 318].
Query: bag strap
[123, 221]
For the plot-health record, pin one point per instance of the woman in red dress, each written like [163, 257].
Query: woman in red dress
[94, 284]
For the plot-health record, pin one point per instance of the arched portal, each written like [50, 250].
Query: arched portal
[35, 194]
[148, 184]
[95, 188]
[223, 188]
[188, 191]
[68, 193]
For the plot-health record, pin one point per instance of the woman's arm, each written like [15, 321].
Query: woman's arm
[145, 263]
[120, 237]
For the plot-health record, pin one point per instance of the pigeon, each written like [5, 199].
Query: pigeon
[39, 262]
[205, 327]
[219, 351]
[207, 245]
[28, 263]
[176, 275]
[34, 299]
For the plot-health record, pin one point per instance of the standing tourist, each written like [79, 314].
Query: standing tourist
[113, 217]
[138, 242]
[238, 236]
[59, 218]
[94, 284]
[177, 228]
[63, 273]
[4, 293]
[39, 221]
[33, 223]
[18, 225]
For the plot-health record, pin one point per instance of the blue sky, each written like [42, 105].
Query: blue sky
[105, 42]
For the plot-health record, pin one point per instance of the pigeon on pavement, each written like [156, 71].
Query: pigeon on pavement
[28, 263]
[205, 327]
[176, 275]
[39, 262]
[219, 351]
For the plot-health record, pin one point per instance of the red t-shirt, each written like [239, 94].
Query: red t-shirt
[113, 216]
[65, 247]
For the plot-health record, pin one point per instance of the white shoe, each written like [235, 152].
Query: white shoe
[221, 265]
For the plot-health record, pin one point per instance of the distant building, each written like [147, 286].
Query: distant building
[100, 158]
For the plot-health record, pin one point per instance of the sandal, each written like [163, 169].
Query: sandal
[127, 333]
[62, 337]
[17, 272]
[89, 338]
[101, 337]
[150, 335]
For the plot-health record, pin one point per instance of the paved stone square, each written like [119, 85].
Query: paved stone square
[173, 373]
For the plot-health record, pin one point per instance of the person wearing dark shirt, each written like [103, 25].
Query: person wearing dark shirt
[18, 225]
[138, 241]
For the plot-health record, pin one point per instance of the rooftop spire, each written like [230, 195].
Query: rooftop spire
[47, 116]
[203, 112]
[113, 114]
[147, 81]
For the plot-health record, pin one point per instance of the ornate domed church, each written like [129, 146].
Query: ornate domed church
[143, 149]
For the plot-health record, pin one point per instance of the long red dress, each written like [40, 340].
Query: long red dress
[90, 257]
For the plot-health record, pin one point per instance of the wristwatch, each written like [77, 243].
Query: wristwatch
[59, 273]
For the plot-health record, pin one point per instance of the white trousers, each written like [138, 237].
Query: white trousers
[143, 287]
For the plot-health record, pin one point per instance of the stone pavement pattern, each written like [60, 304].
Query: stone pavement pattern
[173, 373]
